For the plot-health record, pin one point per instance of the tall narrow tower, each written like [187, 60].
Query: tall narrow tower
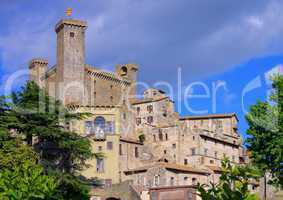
[70, 61]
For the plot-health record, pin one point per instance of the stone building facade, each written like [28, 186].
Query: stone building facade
[176, 151]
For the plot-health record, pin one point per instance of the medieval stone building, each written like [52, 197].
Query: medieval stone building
[144, 141]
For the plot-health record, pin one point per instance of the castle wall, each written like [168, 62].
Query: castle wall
[197, 141]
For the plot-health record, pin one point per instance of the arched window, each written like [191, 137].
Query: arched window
[124, 70]
[99, 126]
[99, 121]
[194, 181]
[172, 181]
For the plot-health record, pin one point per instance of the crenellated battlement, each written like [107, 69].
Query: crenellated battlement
[70, 22]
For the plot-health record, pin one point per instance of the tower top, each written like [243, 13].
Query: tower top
[38, 61]
[70, 22]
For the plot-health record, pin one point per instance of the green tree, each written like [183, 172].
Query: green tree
[233, 184]
[42, 122]
[27, 181]
[142, 138]
[265, 120]
[20, 175]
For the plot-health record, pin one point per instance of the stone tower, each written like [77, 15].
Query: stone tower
[129, 71]
[37, 69]
[70, 61]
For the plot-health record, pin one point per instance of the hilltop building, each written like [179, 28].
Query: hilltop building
[145, 142]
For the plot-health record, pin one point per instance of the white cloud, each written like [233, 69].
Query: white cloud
[255, 22]
[205, 37]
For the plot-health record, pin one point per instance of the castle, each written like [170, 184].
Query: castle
[145, 142]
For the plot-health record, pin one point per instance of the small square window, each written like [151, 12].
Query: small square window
[72, 34]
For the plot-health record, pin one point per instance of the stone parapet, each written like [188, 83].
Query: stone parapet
[38, 61]
[70, 22]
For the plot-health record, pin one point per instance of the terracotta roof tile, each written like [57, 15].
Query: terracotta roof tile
[171, 166]
[210, 116]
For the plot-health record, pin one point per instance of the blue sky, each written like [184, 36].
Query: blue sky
[230, 43]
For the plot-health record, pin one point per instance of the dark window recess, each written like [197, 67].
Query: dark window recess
[172, 180]
[193, 150]
[109, 145]
[154, 138]
[174, 146]
[150, 108]
[166, 136]
[138, 110]
[202, 160]
[185, 161]
[99, 148]
[165, 113]
[138, 121]
[194, 181]
[160, 136]
[136, 152]
[99, 165]
[72, 34]
[150, 119]
[120, 149]
[67, 126]
[211, 161]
